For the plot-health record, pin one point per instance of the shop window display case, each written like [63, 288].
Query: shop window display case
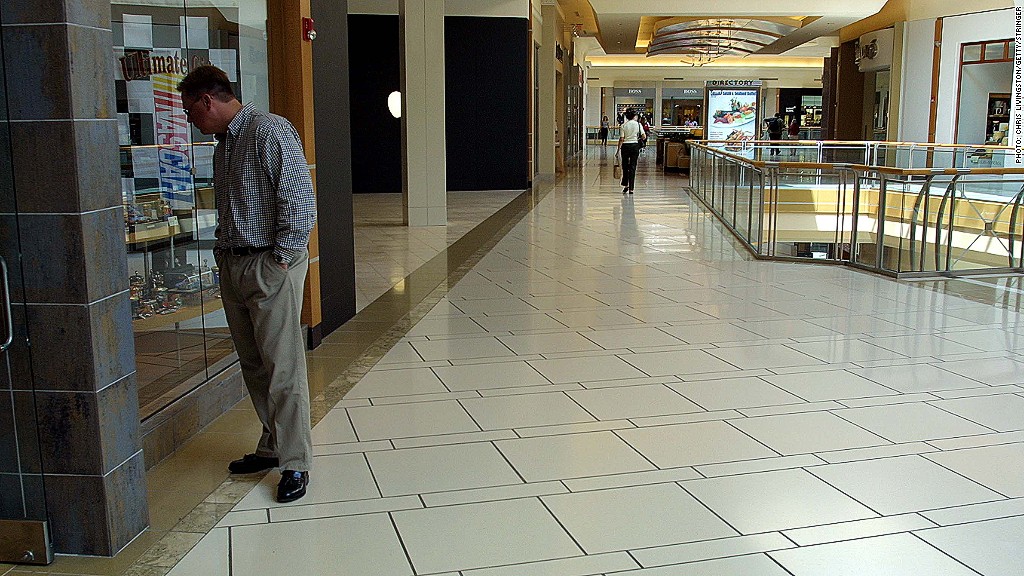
[181, 335]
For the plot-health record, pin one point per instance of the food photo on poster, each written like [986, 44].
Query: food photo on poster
[732, 115]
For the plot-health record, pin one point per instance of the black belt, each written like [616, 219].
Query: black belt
[247, 250]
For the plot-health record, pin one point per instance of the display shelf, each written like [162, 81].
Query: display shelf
[998, 119]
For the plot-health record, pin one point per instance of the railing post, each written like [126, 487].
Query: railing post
[880, 221]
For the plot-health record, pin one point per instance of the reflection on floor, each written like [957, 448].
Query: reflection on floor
[387, 250]
[617, 389]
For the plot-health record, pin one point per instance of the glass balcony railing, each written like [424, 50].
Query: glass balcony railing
[897, 208]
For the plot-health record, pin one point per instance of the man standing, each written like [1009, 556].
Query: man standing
[775, 128]
[265, 212]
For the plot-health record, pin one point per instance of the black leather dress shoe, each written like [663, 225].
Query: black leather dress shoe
[251, 463]
[292, 486]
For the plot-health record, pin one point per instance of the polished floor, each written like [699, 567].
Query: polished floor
[616, 388]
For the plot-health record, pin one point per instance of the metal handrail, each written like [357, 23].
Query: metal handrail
[898, 238]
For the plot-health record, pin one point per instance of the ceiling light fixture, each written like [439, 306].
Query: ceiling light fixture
[701, 42]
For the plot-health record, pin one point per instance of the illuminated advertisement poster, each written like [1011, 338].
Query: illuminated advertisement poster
[732, 114]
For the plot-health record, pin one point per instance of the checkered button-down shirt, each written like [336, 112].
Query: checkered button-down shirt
[262, 185]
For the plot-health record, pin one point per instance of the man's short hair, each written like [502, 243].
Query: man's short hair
[207, 79]
[630, 113]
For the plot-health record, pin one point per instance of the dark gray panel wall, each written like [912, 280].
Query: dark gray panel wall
[334, 163]
[486, 103]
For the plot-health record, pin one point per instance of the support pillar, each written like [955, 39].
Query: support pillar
[424, 181]
[547, 98]
[75, 387]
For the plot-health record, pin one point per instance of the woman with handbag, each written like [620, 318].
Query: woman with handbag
[629, 147]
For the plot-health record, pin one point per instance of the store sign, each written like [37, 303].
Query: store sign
[692, 92]
[718, 83]
[635, 91]
[874, 51]
[141, 64]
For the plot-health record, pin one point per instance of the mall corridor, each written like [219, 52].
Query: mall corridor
[617, 388]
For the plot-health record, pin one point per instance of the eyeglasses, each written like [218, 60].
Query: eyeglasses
[188, 109]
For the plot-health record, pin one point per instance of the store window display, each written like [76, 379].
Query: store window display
[181, 336]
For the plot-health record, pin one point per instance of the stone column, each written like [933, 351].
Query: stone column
[659, 95]
[547, 99]
[424, 182]
[59, 65]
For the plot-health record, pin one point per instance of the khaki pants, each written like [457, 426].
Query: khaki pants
[263, 304]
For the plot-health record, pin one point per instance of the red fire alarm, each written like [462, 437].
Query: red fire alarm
[308, 29]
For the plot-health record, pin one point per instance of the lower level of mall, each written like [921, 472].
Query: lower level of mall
[614, 386]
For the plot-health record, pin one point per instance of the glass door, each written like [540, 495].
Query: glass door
[24, 534]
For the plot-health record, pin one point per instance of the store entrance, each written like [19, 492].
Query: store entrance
[24, 532]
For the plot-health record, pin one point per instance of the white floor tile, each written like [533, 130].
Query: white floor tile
[933, 485]
[763, 356]
[631, 338]
[333, 478]
[485, 347]
[895, 555]
[777, 500]
[439, 468]
[635, 517]
[209, 557]
[993, 547]
[918, 345]
[589, 369]
[828, 385]
[468, 536]
[713, 331]
[842, 350]
[678, 313]
[989, 371]
[516, 322]
[592, 318]
[911, 422]
[334, 428]
[791, 328]
[404, 420]
[732, 393]
[632, 401]
[548, 343]
[505, 412]
[996, 467]
[489, 376]
[915, 378]
[692, 444]
[720, 552]
[396, 383]
[369, 547]
[445, 325]
[807, 432]
[858, 529]
[1003, 412]
[572, 456]
[679, 362]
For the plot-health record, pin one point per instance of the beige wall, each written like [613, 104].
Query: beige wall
[907, 10]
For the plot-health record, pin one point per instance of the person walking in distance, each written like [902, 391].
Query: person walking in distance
[604, 131]
[776, 125]
[265, 212]
[629, 149]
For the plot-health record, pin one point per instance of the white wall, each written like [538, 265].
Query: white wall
[957, 30]
[978, 81]
[916, 81]
[592, 111]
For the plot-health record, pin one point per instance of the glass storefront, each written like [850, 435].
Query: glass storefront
[682, 107]
[181, 336]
